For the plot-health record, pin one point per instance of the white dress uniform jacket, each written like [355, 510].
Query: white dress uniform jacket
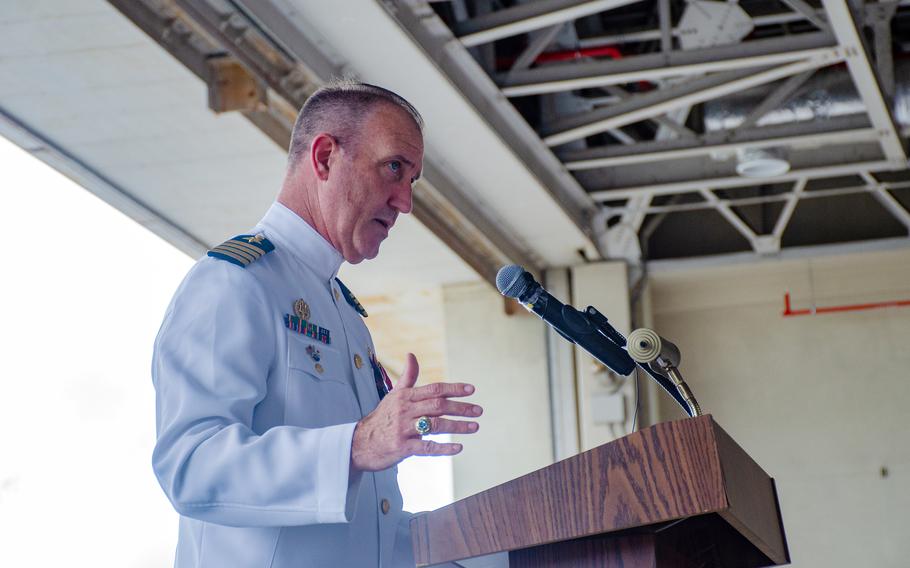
[254, 433]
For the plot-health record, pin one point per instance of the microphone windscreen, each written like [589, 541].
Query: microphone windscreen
[509, 281]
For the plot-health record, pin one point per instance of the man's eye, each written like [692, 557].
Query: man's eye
[395, 166]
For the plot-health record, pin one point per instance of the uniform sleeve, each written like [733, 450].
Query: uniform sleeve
[210, 367]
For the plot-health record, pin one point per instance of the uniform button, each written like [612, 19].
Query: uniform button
[319, 368]
[358, 362]
[385, 506]
[337, 294]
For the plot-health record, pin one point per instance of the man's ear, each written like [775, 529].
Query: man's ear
[321, 149]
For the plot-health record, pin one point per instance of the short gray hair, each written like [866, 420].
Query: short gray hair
[340, 109]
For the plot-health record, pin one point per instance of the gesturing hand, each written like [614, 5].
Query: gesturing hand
[388, 435]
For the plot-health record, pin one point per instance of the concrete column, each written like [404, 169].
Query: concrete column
[605, 400]
[561, 372]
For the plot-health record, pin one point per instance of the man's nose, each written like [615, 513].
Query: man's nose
[402, 197]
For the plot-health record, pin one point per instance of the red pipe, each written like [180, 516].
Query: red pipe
[834, 309]
[569, 54]
[566, 55]
[610, 51]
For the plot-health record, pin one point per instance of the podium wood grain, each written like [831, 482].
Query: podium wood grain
[660, 474]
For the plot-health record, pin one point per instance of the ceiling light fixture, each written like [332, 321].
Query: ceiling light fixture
[761, 162]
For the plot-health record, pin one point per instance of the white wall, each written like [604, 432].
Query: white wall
[504, 357]
[822, 402]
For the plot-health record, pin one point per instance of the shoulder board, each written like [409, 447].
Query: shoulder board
[243, 250]
[351, 298]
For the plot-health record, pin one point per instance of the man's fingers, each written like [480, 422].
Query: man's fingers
[442, 406]
[409, 376]
[443, 390]
[445, 426]
[429, 448]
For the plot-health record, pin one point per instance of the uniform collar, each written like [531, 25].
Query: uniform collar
[293, 234]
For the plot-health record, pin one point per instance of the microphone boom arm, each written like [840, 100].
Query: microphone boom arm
[682, 395]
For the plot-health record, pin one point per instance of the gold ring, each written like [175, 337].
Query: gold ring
[422, 425]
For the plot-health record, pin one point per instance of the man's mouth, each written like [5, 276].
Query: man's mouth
[386, 224]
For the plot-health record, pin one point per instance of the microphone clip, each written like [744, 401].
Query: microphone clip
[599, 322]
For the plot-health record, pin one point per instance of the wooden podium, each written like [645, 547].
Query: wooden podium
[680, 494]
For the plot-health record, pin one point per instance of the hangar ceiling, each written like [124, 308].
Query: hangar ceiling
[564, 130]
[662, 109]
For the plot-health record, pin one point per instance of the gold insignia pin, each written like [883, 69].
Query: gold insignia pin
[302, 309]
[319, 368]
[358, 361]
[256, 239]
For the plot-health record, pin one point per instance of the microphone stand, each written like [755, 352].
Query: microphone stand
[682, 388]
[681, 394]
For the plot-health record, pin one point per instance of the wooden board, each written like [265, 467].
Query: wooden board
[669, 472]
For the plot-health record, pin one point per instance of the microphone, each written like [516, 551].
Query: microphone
[513, 281]
[645, 346]
[651, 350]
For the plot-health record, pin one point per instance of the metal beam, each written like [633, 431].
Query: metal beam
[244, 41]
[535, 47]
[879, 15]
[655, 34]
[633, 208]
[893, 206]
[789, 207]
[727, 213]
[701, 168]
[776, 98]
[662, 120]
[883, 196]
[666, 26]
[809, 13]
[530, 16]
[684, 94]
[850, 131]
[827, 171]
[866, 81]
[789, 253]
[652, 67]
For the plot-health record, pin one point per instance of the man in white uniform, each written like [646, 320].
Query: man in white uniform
[278, 430]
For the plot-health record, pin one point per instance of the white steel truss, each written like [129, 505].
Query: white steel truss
[789, 63]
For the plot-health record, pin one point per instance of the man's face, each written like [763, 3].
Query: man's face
[369, 182]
